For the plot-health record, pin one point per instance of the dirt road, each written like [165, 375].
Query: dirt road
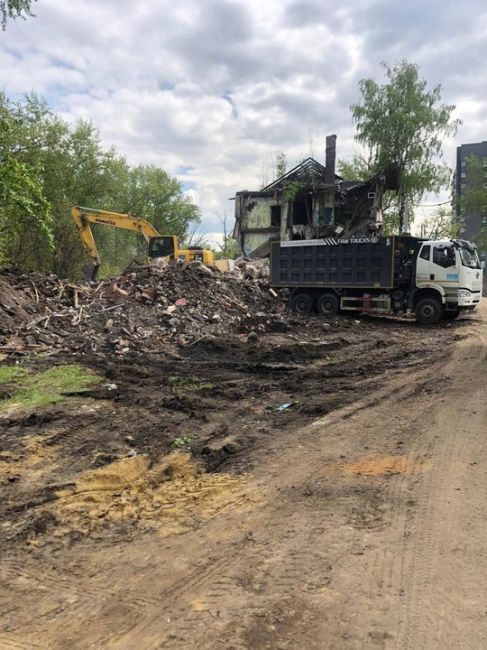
[365, 528]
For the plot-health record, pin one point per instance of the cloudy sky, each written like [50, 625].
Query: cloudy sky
[211, 89]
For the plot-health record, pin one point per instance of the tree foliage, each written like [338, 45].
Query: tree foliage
[281, 164]
[26, 235]
[360, 168]
[15, 9]
[47, 166]
[402, 123]
[440, 224]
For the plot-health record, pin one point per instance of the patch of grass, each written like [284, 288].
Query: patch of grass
[205, 386]
[39, 388]
[179, 382]
[10, 373]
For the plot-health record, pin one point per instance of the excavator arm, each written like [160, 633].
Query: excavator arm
[161, 248]
[84, 217]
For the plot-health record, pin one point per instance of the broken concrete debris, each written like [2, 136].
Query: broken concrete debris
[145, 307]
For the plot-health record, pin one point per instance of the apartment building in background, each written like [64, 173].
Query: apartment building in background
[471, 224]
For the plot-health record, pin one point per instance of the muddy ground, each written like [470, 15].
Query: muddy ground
[217, 400]
[144, 511]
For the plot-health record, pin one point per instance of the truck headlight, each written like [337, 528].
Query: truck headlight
[463, 293]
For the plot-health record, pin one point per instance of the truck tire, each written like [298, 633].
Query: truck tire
[302, 302]
[429, 311]
[328, 304]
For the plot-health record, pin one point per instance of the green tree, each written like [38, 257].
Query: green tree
[360, 168]
[158, 197]
[26, 235]
[403, 123]
[15, 9]
[227, 251]
[82, 172]
[281, 164]
[47, 166]
[440, 224]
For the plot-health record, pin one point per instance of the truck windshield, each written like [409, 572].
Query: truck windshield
[470, 258]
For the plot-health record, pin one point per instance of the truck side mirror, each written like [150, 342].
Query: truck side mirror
[482, 264]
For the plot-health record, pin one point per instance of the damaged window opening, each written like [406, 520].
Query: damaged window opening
[302, 210]
[275, 216]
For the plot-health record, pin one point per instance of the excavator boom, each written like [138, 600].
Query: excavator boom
[160, 247]
[84, 217]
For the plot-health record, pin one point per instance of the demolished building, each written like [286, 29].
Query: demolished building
[309, 201]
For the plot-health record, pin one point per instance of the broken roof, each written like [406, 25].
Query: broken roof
[310, 170]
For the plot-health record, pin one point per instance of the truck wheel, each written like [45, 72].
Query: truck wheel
[301, 303]
[328, 304]
[451, 315]
[428, 311]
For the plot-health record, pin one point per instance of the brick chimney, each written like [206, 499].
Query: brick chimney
[331, 146]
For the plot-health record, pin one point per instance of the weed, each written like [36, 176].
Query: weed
[179, 382]
[182, 442]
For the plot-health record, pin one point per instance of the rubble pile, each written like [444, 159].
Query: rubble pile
[144, 308]
[253, 269]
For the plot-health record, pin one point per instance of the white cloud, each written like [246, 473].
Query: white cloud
[218, 86]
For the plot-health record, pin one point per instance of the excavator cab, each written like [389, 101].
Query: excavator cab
[162, 247]
[167, 248]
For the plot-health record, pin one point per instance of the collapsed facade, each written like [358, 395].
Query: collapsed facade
[310, 201]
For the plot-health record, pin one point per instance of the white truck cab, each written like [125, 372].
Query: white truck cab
[452, 269]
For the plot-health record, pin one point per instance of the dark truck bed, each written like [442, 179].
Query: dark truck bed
[368, 262]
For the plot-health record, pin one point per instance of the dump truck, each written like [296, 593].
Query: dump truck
[161, 248]
[434, 280]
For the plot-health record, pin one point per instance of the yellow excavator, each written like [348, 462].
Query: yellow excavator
[161, 248]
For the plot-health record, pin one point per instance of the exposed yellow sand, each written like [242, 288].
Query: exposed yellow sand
[171, 495]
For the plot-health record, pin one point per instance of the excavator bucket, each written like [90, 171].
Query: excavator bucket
[90, 271]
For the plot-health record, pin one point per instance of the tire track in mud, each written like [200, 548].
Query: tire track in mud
[290, 569]
[299, 571]
[407, 575]
[381, 579]
[6, 643]
[281, 570]
[280, 557]
[87, 603]
[436, 579]
[281, 578]
[100, 607]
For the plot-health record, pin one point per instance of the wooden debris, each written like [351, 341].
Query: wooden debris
[145, 308]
